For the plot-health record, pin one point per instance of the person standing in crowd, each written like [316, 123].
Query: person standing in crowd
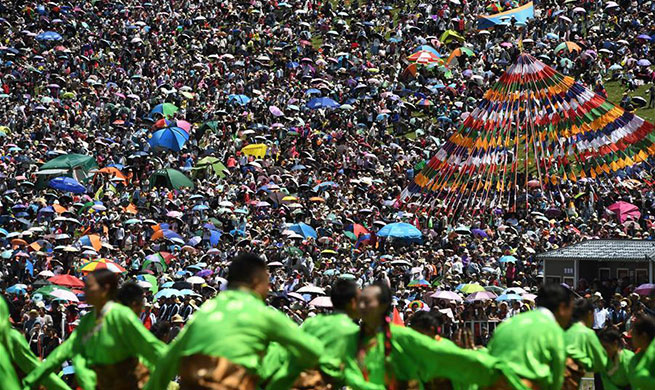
[224, 343]
[108, 345]
[532, 343]
[148, 318]
[615, 376]
[642, 365]
[601, 313]
[395, 356]
[131, 295]
[22, 360]
[584, 351]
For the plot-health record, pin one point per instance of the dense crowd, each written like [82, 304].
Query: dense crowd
[159, 139]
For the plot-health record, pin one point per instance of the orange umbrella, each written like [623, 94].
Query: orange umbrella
[113, 172]
[92, 240]
[59, 209]
[18, 241]
[317, 199]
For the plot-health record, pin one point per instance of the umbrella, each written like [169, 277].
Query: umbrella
[167, 293]
[471, 288]
[569, 46]
[165, 109]
[643, 62]
[17, 289]
[241, 100]
[256, 150]
[311, 289]
[645, 289]
[322, 102]
[102, 264]
[419, 283]
[321, 302]
[92, 240]
[71, 162]
[170, 178]
[507, 259]
[171, 138]
[509, 297]
[67, 281]
[481, 296]
[195, 280]
[67, 184]
[49, 36]
[304, 230]
[624, 210]
[401, 231]
[447, 295]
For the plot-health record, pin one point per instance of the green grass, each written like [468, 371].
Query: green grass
[615, 91]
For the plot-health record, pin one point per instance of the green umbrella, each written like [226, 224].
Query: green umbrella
[153, 281]
[71, 161]
[350, 235]
[158, 266]
[292, 250]
[170, 178]
[46, 290]
[347, 276]
[471, 288]
[213, 162]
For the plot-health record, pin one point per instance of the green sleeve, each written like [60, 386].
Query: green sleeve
[7, 373]
[642, 376]
[62, 353]
[445, 360]
[85, 376]
[23, 357]
[169, 364]
[354, 379]
[139, 340]
[597, 354]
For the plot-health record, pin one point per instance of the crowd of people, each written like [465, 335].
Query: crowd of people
[160, 139]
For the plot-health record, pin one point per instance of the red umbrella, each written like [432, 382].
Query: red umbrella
[624, 210]
[66, 281]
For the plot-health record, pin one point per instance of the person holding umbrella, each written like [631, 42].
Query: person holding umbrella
[108, 345]
[224, 343]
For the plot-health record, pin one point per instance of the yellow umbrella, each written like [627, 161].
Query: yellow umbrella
[256, 150]
[4, 129]
[289, 199]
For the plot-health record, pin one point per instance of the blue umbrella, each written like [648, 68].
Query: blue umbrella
[67, 184]
[401, 231]
[312, 90]
[168, 285]
[169, 138]
[507, 259]
[49, 36]
[200, 207]
[167, 293]
[325, 185]
[322, 102]
[427, 48]
[17, 289]
[292, 65]
[509, 297]
[239, 99]
[193, 241]
[304, 230]
[214, 237]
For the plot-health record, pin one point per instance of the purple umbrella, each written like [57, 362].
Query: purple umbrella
[447, 295]
[205, 273]
[480, 233]
[645, 289]
[643, 62]
[275, 111]
[481, 296]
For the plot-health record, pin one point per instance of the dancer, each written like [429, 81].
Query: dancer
[532, 343]
[108, 345]
[642, 365]
[615, 377]
[223, 345]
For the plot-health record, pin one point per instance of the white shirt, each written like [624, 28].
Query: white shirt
[600, 316]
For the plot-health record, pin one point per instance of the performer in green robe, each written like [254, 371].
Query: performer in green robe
[583, 348]
[7, 372]
[399, 357]
[642, 365]
[615, 376]
[532, 343]
[108, 345]
[224, 343]
[335, 331]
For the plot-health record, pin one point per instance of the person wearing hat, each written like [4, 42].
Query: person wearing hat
[532, 343]
[584, 351]
[223, 345]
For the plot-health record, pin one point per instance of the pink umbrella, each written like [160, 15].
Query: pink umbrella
[529, 297]
[447, 295]
[275, 111]
[64, 294]
[645, 289]
[184, 125]
[481, 296]
[624, 210]
[321, 302]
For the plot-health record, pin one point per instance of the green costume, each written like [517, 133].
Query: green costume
[642, 369]
[113, 338]
[414, 356]
[7, 373]
[23, 358]
[237, 326]
[532, 344]
[615, 377]
[583, 346]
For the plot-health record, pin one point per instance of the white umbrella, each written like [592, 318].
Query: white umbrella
[195, 280]
[46, 274]
[64, 294]
[321, 302]
[311, 289]
[447, 295]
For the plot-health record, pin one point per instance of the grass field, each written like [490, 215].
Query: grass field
[615, 92]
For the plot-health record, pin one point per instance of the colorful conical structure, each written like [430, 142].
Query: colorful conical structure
[534, 127]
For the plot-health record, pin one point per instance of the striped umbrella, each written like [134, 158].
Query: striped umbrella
[102, 264]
